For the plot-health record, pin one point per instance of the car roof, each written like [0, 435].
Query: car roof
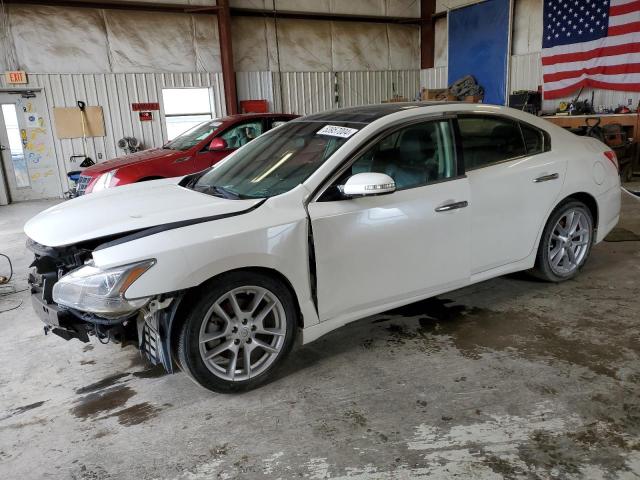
[367, 113]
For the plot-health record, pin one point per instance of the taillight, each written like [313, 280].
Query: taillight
[611, 155]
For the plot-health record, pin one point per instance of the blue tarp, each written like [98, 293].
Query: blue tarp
[479, 46]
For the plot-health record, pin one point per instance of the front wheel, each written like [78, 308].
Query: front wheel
[566, 242]
[238, 332]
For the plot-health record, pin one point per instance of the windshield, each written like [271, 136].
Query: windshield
[276, 162]
[193, 136]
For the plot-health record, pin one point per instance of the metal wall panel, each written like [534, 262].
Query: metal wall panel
[115, 92]
[364, 88]
[526, 72]
[434, 77]
[256, 86]
[304, 92]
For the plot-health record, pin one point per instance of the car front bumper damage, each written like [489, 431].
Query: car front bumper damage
[148, 329]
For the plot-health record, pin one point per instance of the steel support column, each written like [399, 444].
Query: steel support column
[427, 33]
[226, 57]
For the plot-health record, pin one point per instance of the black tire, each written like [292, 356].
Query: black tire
[188, 346]
[543, 268]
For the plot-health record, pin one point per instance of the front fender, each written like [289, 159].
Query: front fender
[188, 256]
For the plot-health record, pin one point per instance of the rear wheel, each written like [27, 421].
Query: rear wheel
[566, 242]
[238, 333]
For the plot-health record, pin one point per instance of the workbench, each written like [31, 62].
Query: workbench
[630, 123]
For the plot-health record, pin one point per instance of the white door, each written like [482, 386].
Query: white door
[514, 182]
[28, 166]
[376, 250]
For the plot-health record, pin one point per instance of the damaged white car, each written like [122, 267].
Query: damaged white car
[325, 220]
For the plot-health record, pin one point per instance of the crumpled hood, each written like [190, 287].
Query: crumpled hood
[126, 209]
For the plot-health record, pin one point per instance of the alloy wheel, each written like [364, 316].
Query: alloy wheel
[242, 333]
[569, 242]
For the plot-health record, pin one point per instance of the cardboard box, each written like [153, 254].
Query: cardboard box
[473, 99]
[437, 94]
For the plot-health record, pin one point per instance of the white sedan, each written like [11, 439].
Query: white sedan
[325, 220]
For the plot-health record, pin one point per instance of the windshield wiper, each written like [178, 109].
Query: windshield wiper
[217, 191]
[225, 193]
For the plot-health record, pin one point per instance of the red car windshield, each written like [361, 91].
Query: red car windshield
[193, 136]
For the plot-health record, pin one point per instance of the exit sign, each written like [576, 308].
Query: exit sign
[16, 77]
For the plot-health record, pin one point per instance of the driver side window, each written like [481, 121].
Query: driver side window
[242, 134]
[413, 156]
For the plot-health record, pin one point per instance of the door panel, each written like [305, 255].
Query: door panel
[371, 251]
[13, 156]
[510, 207]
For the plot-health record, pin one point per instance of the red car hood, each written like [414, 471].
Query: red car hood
[132, 158]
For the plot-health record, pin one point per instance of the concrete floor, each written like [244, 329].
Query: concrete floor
[511, 378]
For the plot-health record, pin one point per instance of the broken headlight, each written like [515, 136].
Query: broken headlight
[102, 292]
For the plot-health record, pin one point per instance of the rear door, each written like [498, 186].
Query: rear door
[514, 180]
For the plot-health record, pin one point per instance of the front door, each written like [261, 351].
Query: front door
[28, 169]
[375, 251]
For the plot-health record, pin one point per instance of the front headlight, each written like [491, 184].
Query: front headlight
[104, 181]
[90, 289]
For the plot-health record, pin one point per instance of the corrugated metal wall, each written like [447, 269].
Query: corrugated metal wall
[310, 92]
[304, 92]
[300, 92]
[115, 93]
[526, 72]
[255, 86]
[434, 77]
[364, 88]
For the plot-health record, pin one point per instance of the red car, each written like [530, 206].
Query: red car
[195, 150]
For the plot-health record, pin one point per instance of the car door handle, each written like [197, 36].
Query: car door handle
[183, 159]
[452, 206]
[546, 178]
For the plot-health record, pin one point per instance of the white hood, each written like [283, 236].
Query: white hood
[125, 209]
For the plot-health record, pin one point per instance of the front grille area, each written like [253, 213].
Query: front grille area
[82, 184]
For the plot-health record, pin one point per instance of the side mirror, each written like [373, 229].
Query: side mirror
[362, 184]
[218, 144]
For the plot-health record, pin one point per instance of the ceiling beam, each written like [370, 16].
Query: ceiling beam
[212, 10]
[114, 5]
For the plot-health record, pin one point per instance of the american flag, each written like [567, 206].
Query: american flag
[594, 43]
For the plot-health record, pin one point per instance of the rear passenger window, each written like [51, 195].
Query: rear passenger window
[533, 139]
[487, 140]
